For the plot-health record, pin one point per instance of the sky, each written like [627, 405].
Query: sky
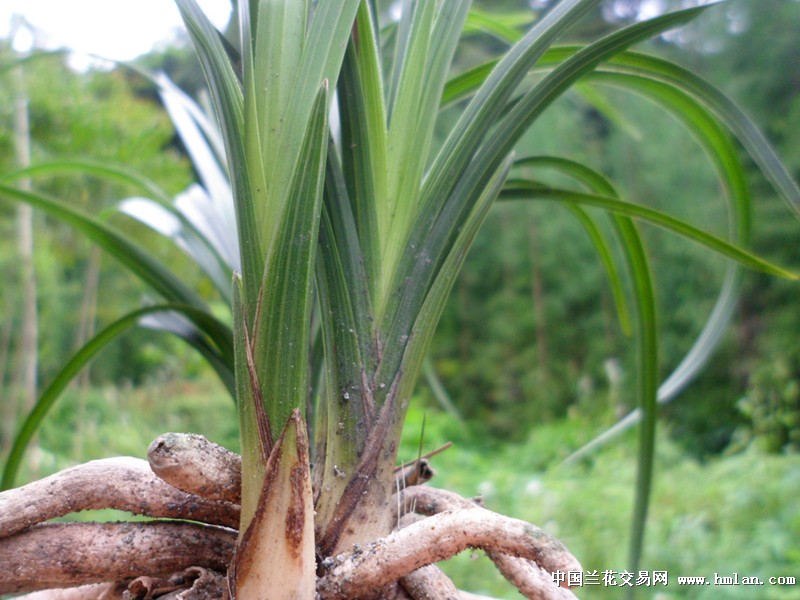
[114, 29]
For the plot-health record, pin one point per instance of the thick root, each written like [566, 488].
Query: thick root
[70, 554]
[530, 578]
[192, 463]
[436, 538]
[120, 483]
[193, 479]
[93, 591]
[195, 465]
[193, 583]
[430, 583]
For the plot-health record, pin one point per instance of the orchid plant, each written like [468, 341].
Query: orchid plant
[334, 224]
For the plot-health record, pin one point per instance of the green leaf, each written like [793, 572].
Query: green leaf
[730, 174]
[456, 181]
[106, 170]
[531, 104]
[647, 337]
[503, 26]
[404, 151]
[439, 220]
[408, 351]
[346, 336]
[278, 37]
[465, 84]
[694, 114]
[597, 182]
[321, 61]
[363, 148]
[724, 108]
[149, 211]
[485, 109]
[129, 253]
[228, 99]
[698, 356]
[523, 189]
[67, 373]
[603, 250]
[281, 327]
[432, 44]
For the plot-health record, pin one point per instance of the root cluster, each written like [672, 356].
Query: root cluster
[191, 487]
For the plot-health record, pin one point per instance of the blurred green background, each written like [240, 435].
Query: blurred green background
[529, 350]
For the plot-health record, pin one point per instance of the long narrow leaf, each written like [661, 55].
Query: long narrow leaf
[284, 316]
[594, 181]
[429, 239]
[321, 62]
[228, 99]
[734, 118]
[647, 342]
[603, 250]
[503, 26]
[639, 267]
[363, 147]
[523, 189]
[698, 356]
[279, 36]
[63, 378]
[106, 170]
[484, 109]
[412, 123]
[130, 254]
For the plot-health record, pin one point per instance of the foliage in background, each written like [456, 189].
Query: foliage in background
[489, 360]
[379, 291]
[772, 404]
[729, 514]
[97, 115]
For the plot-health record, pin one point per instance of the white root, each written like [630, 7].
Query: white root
[192, 463]
[93, 591]
[471, 596]
[120, 483]
[197, 480]
[430, 583]
[433, 539]
[71, 554]
[533, 581]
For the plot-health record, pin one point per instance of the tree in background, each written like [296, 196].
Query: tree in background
[78, 116]
[491, 358]
[350, 240]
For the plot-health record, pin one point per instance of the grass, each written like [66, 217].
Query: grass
[731, 514]
[123, 421]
